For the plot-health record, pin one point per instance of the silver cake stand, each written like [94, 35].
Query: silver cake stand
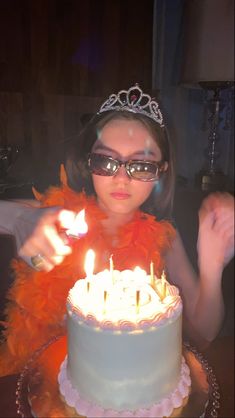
[37, 393]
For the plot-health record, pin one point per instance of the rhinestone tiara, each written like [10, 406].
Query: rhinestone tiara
[133, 100]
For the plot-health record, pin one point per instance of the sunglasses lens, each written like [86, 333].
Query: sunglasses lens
[102, 165]
[143, 170]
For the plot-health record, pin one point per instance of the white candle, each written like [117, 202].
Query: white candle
[111, 268]
[153, 282]
[137, 301]
[105, 299]
[89, 264]
[152, 276]
[163, 285]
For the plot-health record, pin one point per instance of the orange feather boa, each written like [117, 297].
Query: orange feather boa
[36, 308]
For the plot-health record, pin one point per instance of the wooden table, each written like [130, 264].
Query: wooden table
[220, 356]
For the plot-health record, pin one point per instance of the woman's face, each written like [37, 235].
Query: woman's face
[124, 140]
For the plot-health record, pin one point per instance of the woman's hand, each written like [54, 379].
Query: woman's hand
[39, 239]
[216, 232]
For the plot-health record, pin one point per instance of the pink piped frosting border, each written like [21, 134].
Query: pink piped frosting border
[172, 310]
[91, 410]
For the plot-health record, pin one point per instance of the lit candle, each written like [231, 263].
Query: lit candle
[111, 268]
[158, 292]
[163, 285]
[152, 276]
[153, 282]
[137, 301]
[140, 277]
[105, 300]
[89, 266]
[79, 227]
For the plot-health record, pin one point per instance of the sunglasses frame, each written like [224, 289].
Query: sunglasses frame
[159, 165]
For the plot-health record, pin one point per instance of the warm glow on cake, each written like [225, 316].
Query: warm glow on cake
[124, 344]
[122, 299]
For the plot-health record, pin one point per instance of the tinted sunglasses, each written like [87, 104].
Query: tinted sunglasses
[142, 170]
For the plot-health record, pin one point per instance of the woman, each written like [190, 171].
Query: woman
[126, 165]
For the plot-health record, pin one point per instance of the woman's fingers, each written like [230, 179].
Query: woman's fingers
[47, 241]
[40, 263]
[216, 229]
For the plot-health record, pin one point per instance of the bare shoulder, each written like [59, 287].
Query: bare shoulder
[177, 250]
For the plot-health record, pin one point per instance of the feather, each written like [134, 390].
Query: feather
[63, 175]
[37, 300]
[38, 196]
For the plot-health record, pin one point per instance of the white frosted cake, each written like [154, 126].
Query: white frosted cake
[124, 347]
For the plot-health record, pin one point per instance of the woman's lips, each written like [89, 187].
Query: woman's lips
[120, 195]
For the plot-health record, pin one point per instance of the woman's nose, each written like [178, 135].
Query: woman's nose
[122, 174]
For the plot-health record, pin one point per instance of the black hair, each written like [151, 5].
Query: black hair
[160, 201]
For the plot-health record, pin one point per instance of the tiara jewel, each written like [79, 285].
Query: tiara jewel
[133, 100]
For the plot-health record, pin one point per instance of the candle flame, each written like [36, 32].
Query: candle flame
[89, 263]
[139, 271]
[79, 226]
[140, 274]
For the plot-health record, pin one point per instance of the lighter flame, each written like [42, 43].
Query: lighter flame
[79, 226]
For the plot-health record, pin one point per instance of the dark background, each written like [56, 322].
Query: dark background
[60, 58]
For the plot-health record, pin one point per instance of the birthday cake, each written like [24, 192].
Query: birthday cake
[124, 356]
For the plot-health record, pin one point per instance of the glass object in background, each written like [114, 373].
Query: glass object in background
[8, 156]
[208, 62]
[218, 116]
